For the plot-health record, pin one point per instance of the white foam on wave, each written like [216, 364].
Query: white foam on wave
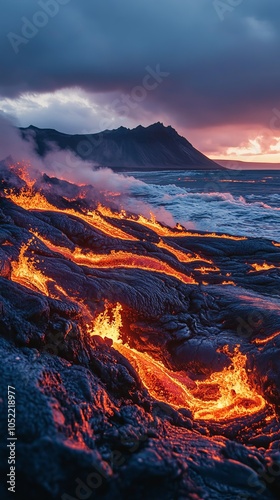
[213, 211]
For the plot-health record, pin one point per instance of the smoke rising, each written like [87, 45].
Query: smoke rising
[115, 189]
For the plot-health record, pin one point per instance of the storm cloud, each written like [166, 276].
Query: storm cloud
[221, 57]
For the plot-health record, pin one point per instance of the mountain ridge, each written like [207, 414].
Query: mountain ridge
[141, 148]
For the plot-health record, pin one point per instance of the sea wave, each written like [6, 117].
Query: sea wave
[247, 214]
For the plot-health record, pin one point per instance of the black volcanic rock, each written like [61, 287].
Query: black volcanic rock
[86, 425]
[154, 147]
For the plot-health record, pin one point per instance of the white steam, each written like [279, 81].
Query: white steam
[64, 164]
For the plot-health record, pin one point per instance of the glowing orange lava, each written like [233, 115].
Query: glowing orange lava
[162, 230]
[118, 259]
[25, 273]
[262, 267]
[224, 395]
[207, 270]
[180, 255]
[96, 220]
[21, 169]
[267, 339]
[31, 200]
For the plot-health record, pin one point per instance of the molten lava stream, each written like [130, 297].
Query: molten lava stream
[31, 200]
[180, 255]
[25, 273]
[267, 339]
[224, 395]
[161, 230]
[119, 259]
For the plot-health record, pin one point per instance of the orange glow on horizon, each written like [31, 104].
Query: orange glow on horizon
[246, 143]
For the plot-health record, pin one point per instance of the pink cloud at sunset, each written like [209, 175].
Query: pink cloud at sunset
[237, 143]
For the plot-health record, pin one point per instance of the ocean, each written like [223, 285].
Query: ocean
[238, 202]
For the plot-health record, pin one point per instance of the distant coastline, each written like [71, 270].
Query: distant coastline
[244, 165]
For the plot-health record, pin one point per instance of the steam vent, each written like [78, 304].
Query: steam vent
[145, 358]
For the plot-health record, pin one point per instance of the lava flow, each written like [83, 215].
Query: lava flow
[262, 267]
[182, 256]
[224, 395]
[117, 259]
[161, 230]
[22, 170]
[267, 339]
[29, 199]
[194, 368]
[33, 200]
[25, 273]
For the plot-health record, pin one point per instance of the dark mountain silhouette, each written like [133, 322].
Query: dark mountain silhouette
[153, 147]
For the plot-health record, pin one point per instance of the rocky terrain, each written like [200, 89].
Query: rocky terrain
[155, 147]
[145, 359]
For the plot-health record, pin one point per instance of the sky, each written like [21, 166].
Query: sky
[209, 68]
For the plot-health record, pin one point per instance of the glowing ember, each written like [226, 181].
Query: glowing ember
[25, 273]
[224, 395]
[207, 270]
[267, 339]
[262, 267]
[21, 169]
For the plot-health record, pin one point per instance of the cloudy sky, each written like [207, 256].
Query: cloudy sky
[209, 68]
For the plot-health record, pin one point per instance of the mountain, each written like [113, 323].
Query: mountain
[153, 147]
